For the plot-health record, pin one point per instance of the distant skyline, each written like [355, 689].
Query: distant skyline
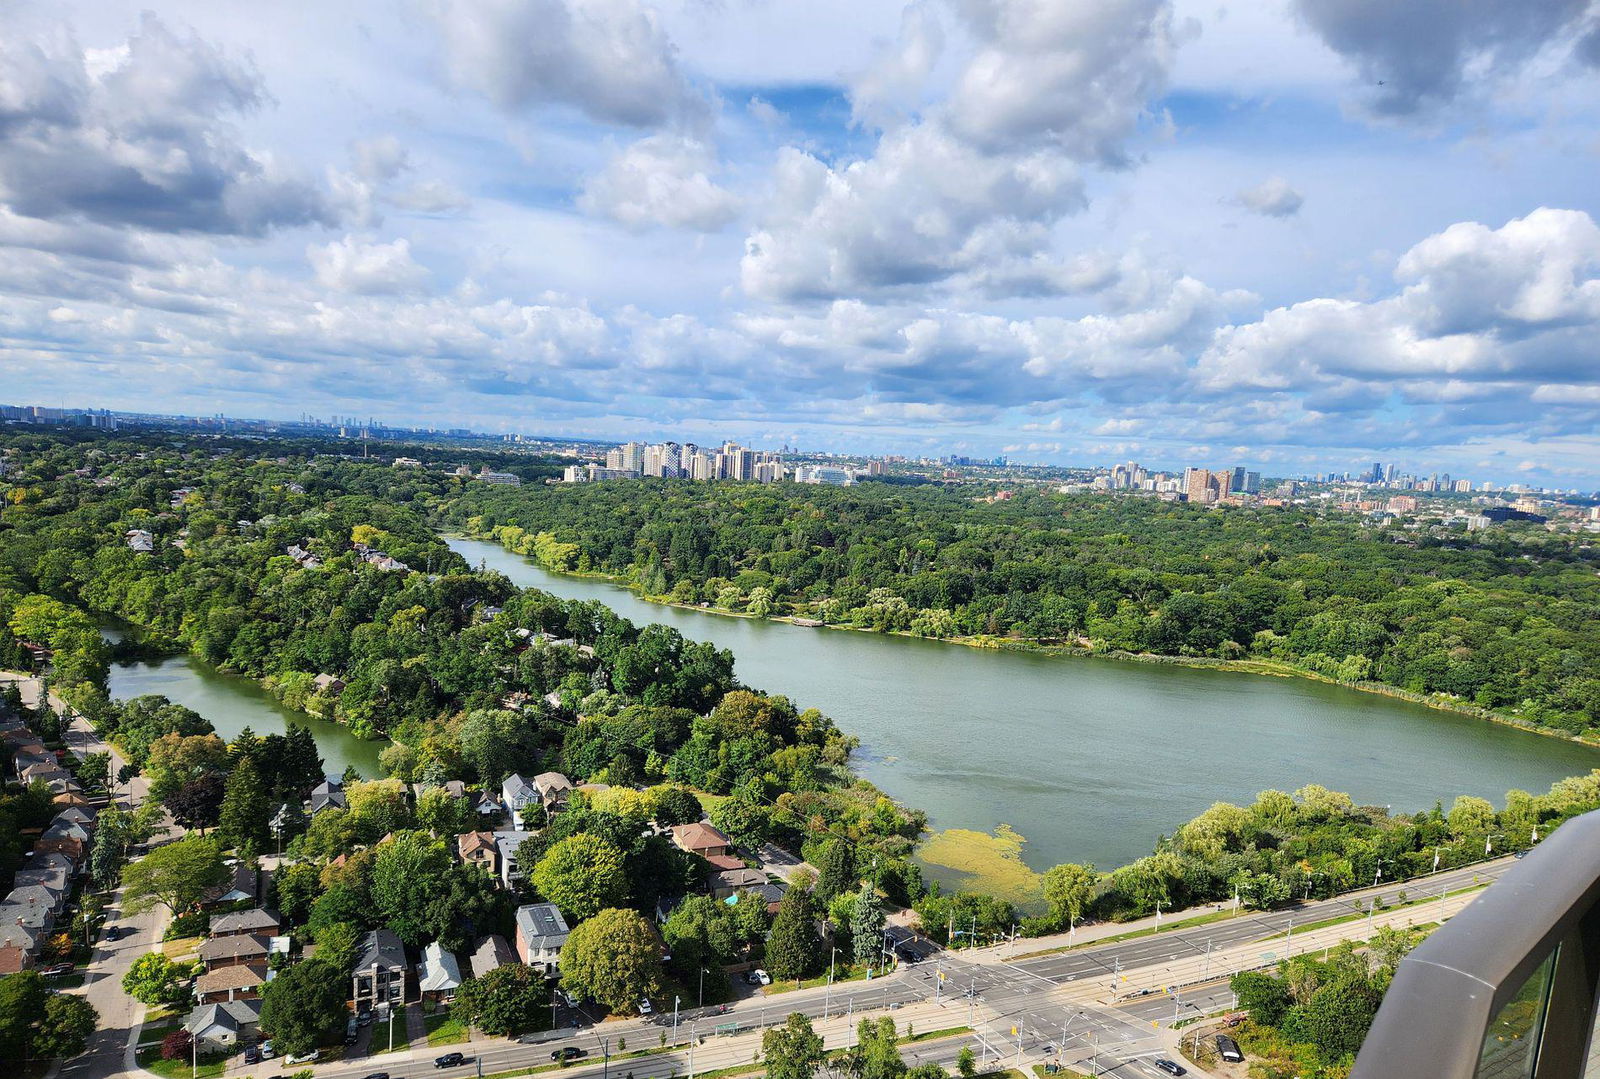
[1304, 234]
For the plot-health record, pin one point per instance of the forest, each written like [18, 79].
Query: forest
[1501, 620]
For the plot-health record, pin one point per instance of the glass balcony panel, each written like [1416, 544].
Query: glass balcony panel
[1511, 1047]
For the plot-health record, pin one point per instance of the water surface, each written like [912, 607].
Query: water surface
[1092, 759]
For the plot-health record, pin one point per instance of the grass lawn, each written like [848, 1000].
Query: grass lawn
[150, 1059]
[380, 1036]
[180, 947]
[1417, 902]
[844, 974]
[443, 1029]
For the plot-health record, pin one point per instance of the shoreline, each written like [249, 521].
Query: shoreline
[1261, 667]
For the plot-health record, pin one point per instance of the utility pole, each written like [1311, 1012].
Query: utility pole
[605, 1058]
[694, 1031]
[675, 1000]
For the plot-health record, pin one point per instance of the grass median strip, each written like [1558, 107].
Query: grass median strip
[1358, 915]
[1133, 934]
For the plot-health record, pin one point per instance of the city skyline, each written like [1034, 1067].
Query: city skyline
[1061, 233]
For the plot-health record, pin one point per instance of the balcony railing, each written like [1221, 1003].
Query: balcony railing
[1507, 988]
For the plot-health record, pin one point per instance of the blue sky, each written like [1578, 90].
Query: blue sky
[1298, 233]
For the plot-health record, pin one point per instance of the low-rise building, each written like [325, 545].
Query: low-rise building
[481, 849]
[225, 1026]
[491, 951]
[241, 982]
[438, 974]
[541, 934]
[702, 839]
[254, 922]
[724, 883]
[233, 951]
[380, 971]
[517, 794]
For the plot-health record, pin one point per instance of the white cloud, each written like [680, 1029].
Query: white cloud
[609, 59]
[1272, 197]
[660, 180]
[368, 269]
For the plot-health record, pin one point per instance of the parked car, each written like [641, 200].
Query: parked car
[645, 1007]
[568, 1052]
[758, 977]
[252, 1055]
[364, 1017]
[113, 932]
[1228, 1049]
[1171, 1067]
[377, 1075]
[58, 970]
[449, 1060]
[303, 1058]
[267, 1052]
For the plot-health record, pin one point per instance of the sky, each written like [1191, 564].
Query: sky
[1294, 234]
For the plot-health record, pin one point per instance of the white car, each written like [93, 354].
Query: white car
[760, 977]
[267, 1052]
[645, 1007]
[303, 1058]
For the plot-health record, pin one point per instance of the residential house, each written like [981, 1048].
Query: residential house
[724, 861]
[242, 948]
[49, 877]
[37, 895]
[14, 959]
[479, 848]
[553, 789]
[702, 839]
[380, 971]
[541, 934]
[240, 887]
[45, 772]
[331, 684]
[518, 794]
[29, 754]
[77, 815]
[61, 826]
[438, 974]
[17, 934]
[256, 922]
[772, 893]
[488, 805]
[506, 843]
[723, 883]
[224, 1027]
[666, 905]
[139, 540]
[453, 787]
[240, 982]
[327, 794]
[491, 951]
[38, 859]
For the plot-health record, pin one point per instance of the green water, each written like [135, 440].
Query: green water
[1092, 759]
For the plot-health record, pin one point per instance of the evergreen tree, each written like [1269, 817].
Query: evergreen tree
[836, 869]
[866, 926]
[794, 949]
[246, 808]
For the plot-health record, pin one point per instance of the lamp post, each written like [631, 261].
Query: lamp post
[702, 1003]
[675, 1000]
[827, 995]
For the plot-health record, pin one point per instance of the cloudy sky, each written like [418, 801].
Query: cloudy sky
[1300, 233]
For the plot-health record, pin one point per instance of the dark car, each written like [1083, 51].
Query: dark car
[1171, 1067]
[58, 970]
[113, 932]
[378, 1075]
[1228, 1049]
[252, 1055]
[449, 1060]
[568, 1052]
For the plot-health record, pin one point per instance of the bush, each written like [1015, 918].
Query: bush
[196, 923]
[177, 1046]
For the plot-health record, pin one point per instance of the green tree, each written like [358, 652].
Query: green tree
[836, 869]
[246, 809]
[155, 979]
[443, 814]
[296, 886]
[409, 873]
[303, 1004]
[794, 949]
[614, 958]
[379, 807]
[581, 874]
[339, 943]
[22, 1002]
[866, 927]
[175, 875]
[66, 1026]
[967, 1063]
[509, 999]
[1069, 889]
[792, 1051]
[1264, 996]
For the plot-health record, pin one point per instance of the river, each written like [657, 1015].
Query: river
[1090, 759]
[233, 703]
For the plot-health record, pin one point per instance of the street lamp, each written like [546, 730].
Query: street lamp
[827, 995]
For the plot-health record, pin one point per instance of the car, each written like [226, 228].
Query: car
[377, 1075]
[758, 977]
[303, 1058]
[1171, 1067]
[1228, 1049]
[252, 1055]
[568, 1052]
[645, 1007]
[449, 1060]
[57, 970]
[364, 1017]
[267, 1052]
[113, 932]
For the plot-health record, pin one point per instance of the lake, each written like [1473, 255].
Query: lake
[1090, 760]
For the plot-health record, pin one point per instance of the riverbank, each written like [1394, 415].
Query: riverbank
[1255, 666]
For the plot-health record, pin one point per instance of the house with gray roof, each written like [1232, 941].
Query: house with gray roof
[492, 951]
[518, 794]
[255, 921]
[438, 974]
[541, 934]
[506, 844]
[224, 1026]
[380, 971]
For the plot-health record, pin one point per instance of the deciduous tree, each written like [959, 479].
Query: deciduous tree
[176, 875]
[614, 958]
[302, 1005]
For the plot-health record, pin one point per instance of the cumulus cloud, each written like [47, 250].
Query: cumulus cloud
[135, 136]
[1272, 197]
[661, 180]
[1520, 303]
[1074, 75]
[609, 59]
[368, 269]
[965, 195]
[379, 159]
[892, 87]
[1417, 56]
